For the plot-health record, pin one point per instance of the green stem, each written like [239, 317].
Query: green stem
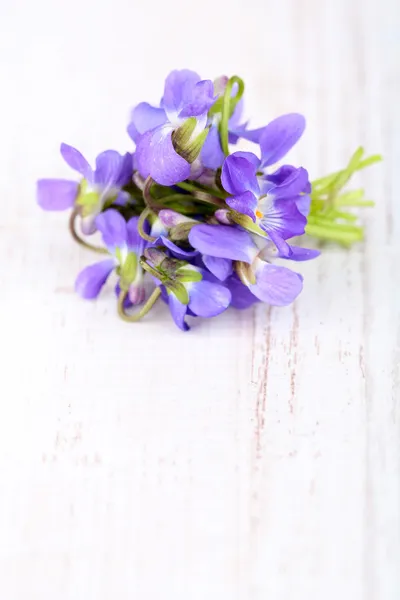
[78, 239]
[192, 187]
[228, 106]
[143, 216]
[140, 313]
[148, 198]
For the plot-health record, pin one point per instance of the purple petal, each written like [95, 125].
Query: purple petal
[178, 312]
[287, 174]
[303, 204]
[239, 173]
[56, 194]
[280, 136]
[223, 241]
[178, 89]
[108, 168]
[176, 251]
[112, 227]
[245, 203]
[156, 156]
[76, 161]
[145, 117]
[252, 135]
[211, 155]
[281, 217]
[208, 299]
[134, 240]
[284, 250]
[294, 184]
[301, 254]
[220, 267]
[241, 295]
[90, 281]
[202, 98]
[126, 171]
[276, 285]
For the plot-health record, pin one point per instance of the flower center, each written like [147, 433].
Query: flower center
[259, 214]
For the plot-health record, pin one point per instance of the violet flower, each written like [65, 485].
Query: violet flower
[113, 171]
[270, 283]
[125, 246]
[188, 289]
[185, 97]
[275, 205]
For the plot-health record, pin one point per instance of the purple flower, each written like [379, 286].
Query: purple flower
[125, 247]
[97, 186]
[204, 297]
[270, 283]
[275, 205]
[185, 96]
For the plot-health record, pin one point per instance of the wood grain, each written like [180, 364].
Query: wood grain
[258, 456]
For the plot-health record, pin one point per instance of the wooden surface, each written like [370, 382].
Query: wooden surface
[258, 456]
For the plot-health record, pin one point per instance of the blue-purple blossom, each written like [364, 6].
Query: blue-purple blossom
[273, 284]
[185, 96]
[104, 183]
[205, 296]
[275, 202]
[125, 247]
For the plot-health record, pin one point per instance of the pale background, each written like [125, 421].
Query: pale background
[257, 457]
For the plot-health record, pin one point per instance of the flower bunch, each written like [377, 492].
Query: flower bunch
[200, 225]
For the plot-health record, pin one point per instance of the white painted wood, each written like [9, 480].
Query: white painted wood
[257, 456]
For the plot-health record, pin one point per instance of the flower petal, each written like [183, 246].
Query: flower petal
[301, 254]
[200, 101]
[276, 285]
[287, 175]
[303, 204]
[134, 240]
[156, 156]
[223, 241]
[108, 168]
[145, 117]
[208, 299]
[241, 131]
[90, 281]
[178, 90]
[178, 312]
[176, 251]
[241, 295]
[239, 173]
[245, 203]
[126, 171]
[212, 155]
[220, 267]
[280, 136]
[112, 227]
[56, 194]
[294, 184]
[281, 217]
[76, 161]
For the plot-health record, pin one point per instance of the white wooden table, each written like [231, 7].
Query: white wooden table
[257, 457]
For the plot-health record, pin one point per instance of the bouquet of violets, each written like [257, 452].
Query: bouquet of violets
[202, 224]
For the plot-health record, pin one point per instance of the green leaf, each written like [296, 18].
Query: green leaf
[186, 275]
[179, 290]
